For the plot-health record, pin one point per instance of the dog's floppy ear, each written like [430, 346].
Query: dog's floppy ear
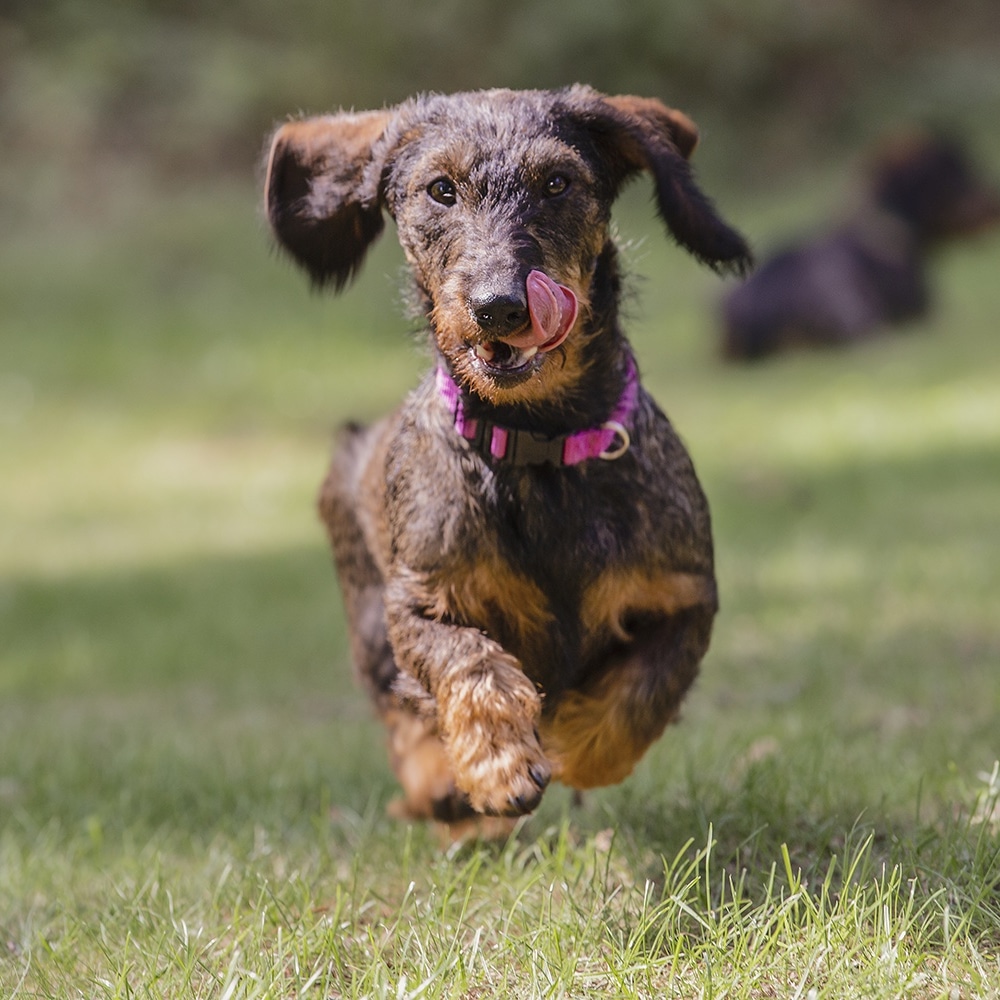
[650, 136]
[316, 195]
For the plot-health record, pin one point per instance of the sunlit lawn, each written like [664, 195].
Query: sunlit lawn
[192, 791]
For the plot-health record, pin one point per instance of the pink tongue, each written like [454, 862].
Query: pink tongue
[553, 310]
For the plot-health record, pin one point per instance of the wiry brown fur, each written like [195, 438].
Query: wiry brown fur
[511, 623]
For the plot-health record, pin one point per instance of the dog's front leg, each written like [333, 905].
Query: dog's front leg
[487, 709]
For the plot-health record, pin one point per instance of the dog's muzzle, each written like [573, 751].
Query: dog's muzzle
[518, 331]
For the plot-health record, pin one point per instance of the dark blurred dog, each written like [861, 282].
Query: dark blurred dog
[871, 272]
[523, 547]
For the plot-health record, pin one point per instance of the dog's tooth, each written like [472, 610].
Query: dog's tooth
[484, 351]
[528, 353]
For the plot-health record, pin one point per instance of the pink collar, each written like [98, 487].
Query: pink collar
[519, 447]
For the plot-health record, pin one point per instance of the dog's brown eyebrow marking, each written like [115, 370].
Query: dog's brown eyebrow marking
[514, 618]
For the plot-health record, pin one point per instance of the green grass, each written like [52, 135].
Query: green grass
[192, 790]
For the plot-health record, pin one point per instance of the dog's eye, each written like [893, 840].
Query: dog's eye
[556, 185]
[442, 191]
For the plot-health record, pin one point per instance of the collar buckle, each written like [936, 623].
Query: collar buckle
[529, 448]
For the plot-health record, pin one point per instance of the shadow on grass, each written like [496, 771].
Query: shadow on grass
[249, 626]
[214, 695]
[207, 696]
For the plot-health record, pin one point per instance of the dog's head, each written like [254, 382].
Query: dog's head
[928, 180]
[502, 203]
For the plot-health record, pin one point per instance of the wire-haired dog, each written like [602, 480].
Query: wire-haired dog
[920, 190]
[523, 548]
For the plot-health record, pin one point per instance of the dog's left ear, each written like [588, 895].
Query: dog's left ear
[316, 193]
[647, 135]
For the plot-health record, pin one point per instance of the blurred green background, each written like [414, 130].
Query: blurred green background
[171, 635]
[188, 89]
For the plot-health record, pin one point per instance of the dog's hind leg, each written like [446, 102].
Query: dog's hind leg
[597, 735]
[360, 580]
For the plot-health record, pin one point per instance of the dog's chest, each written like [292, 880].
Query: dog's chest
[533, 572]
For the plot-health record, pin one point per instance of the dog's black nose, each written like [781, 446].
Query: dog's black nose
[500, 315]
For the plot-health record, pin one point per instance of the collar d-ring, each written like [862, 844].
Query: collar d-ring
[613, 450]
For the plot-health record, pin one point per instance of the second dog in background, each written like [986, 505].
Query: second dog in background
[871, 272]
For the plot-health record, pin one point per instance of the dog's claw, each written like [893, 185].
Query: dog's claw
[520, 805]
[540, 775]
[527, 801]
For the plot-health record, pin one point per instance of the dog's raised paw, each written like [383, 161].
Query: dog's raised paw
[491, 720]
[507, 781]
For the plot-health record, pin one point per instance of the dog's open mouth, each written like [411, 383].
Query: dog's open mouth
[553, 310]
[503, 358]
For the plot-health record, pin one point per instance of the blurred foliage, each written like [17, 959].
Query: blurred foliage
[189, 87]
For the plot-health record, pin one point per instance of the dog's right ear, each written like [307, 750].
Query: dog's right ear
[318, 202]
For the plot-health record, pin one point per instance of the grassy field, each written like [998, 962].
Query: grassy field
[192, 790]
